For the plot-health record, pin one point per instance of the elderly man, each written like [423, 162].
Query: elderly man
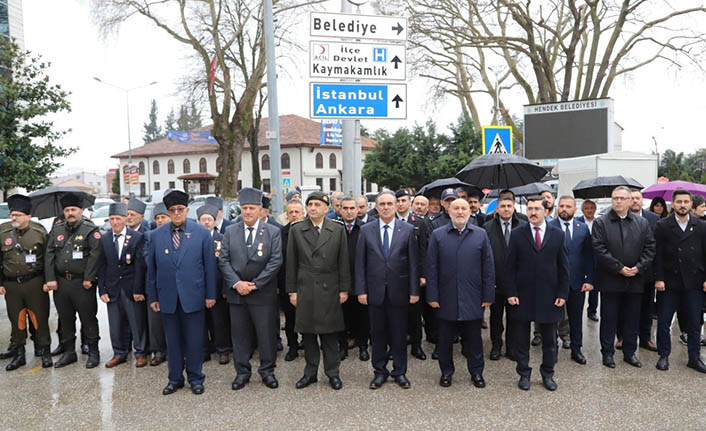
[460, 284]
[624, 248]
[221, 223]
[295, 212]
[136, 215]
[362, 203]
[420, 206]
[157, 342]
[335, 211]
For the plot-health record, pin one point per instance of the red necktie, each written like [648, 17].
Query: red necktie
[537, 238]
[350, 227]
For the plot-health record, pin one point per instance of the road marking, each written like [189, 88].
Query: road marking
[32, 371]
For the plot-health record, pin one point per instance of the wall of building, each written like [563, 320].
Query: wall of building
[16, 20]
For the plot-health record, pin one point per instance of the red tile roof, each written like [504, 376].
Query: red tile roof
[295, 131]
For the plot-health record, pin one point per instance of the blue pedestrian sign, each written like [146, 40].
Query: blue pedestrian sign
[497, 140]
[357, 100]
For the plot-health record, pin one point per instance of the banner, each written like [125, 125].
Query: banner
[331, 132]
[191, 137]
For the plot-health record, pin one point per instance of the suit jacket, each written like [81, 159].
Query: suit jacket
[651, 218]
[352, 241]
[460, 272]
[496, 236]
[258, 264]
[126, 272]
[282, 273]
[420, 233]
[478, 219]
[581, 263]
[218, 247]
[224, 226]
[537, 277]
[681, 255]
[187, 274]
[393, 277]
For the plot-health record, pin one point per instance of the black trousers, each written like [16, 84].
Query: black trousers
[431, 323]
[593, 297]
[614, 307]
[27, 302]
[357, 322]
[688, 303]
[71, 298]
[521, 344]
[574, 310]
[498, 310]
[472, 345]
[329, 346]
[217, 337]
[388, 326]
[647, 309]
[157, 340]
[414, 323]
[260, 319]
[290, 315]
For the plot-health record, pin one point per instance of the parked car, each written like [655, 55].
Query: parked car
[4, 213]
[231, 210]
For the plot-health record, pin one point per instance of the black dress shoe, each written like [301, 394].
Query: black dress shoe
[565, 343]
[239, 382]
[280, 347]
[549, 383]
[632, 360]
[300, 345]
[171, 388]
[93, 360]
[663, 363]
[445, 381]
[524, 383]
[364, 355]
[403, 382]
[271, 381]
[378, 381]
[578, 357]
[478, 380]
[305, 381]
[18, 361]
[9, 353]
[85, 349]
[197, 389]
[291, 355]
[46, 357]
[66, 359]
[697, 364]
[608, 361]
[418, 353]
[56, 352]
[435, 353]
[592, 316]
[536, 340]
[494, 354]
[335, 382]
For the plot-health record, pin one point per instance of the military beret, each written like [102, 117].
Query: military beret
[136, 205]
[175, 197]
[449, 194]
[20, 203]
[207, 209]
[401, 192]
[215, 202]
[159, 209]
[72, 200]
[250, 196]
[265, 202]
[118, 209]
[318, 196]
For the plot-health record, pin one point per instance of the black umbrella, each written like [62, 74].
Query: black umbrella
[526, 190]
[501, 171]
[602, 187]
[435, 188]
[47, 202]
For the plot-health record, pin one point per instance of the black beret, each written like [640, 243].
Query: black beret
[20, 203]
[118, 209]
[207, 209]
[159, 209]
[250, 196]
[72, 200]
[265, 202]
[136, 205]
[401, 192]
[175, 197]
[215, 202]
[318, 196]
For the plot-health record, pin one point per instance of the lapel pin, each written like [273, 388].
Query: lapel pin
[188, 235]
[166, 251]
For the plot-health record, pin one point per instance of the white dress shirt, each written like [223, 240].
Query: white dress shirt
[121, 240]
[542, 230]
[389, 231]
[683, 225]
[571, 226]
[254, 231]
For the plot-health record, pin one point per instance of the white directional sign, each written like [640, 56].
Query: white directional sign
[356, 60]
[341, 25]
[357, 100]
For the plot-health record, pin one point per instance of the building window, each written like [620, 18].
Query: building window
[368, 187]
[141, 168]
[332, 161]
[265, 165]
[285, 161]
[203, 166]
[266, 185]
[155, 167]
[240, 184]
[187, 166]
[143, 189]
[320, 183]
[170, 166]
[332, 184]
[172, 185]
[156, 185]
[4, 19]
[319, 161]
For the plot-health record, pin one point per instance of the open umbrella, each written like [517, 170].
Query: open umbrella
[665, 190]
[602, 187]
[526, 190]
[501, 171]
[434, 188]
[47, 202]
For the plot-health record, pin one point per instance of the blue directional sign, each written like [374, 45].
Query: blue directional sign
[497, 140]
[358, 101]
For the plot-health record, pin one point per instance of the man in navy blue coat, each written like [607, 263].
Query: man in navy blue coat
[387, 281]
[121, 286]
[537, 288]
[460, 284]
[181, 283]
[577, 240]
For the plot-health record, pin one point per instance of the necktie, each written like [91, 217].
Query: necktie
[349, 227]
[116, 241]
[386, 241]
[567, 233]
[176, 238]
[537, 238]
[318, 231]
[248, 241]
[506, 234]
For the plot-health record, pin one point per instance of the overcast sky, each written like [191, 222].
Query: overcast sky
[657, 101]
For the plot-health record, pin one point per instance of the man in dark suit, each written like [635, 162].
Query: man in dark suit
[499, 229]
[221, 223]
[510, 194]
[680, 279]
[460, 284]
[136, 215]
[624, 248]
[362, 203]
[588, 209]
[295, 213]
[473, 197]
[157, 341]
[577, 240]
[387, 281]
[181, 283]
[538, 285]
[121, 286]
[250, 259]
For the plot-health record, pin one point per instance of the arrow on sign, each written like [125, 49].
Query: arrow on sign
[396, 60]
[397, 99]
[399, 28]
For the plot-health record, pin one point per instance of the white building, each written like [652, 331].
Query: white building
[96, 181]
[192, 165]
[11, 21]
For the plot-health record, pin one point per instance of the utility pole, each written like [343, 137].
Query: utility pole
[273, 112]
[351, 147]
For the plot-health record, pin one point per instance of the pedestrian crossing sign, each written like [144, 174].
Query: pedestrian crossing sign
[497, 140]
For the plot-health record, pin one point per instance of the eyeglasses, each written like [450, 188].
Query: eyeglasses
[620, 198]
[175, 210]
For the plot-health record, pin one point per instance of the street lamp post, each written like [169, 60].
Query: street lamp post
[129, 140]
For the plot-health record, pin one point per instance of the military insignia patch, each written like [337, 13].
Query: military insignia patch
[60, 238]
[8, 241]
[96, 235]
